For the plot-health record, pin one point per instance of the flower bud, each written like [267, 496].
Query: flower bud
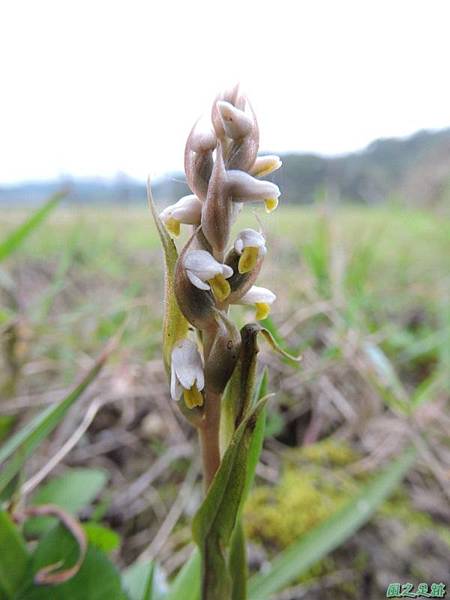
[236, 123]
[218, 212]
[241, 153]
[198, 161]
[223, 354]
[232, 97]
[187, 210]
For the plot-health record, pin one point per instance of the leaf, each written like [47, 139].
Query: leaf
[13, 557]
[21, 445]
[53, 573]
[257, 439]
[97, 578]
[238, 564]
[138, 580]
[186, 585]
[217, 516]
[330, 534]
[72, 491]
[19, 235]
[101, 537]
[175, 325]
[238, 558]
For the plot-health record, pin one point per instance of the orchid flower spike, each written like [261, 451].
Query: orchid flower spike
[206, 273]
[187, 374]
[250, 245]
[262, 298]
[187, 210]
[264, 165]
[245, 188]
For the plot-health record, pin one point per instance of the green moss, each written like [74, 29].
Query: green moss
[315, 482]
[313, 486]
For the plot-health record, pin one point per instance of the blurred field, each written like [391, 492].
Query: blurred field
[362, 293]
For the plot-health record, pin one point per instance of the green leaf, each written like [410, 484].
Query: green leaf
[186, 585]
[20, 446]
[19, 235]
[101, 537]
[13, 557]
[216, 518]
[138, 580]
[299, 557]
[175, 325]
[97, 578]
[238, 556]
[257, 439]
[72, 491]
[238, 564]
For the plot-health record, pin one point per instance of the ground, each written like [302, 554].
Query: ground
[361, 293]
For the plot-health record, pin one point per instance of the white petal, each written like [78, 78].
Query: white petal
[187, 363]
[239, 245]
[200, 380]
[175, 387]
[196, 281]
[227, 271]
[202, 264]
[252, 238]
[188, 210]
[258, 294]
[245, 188]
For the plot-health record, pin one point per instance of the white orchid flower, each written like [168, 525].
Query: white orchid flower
[245, 188]
[187, 374]
[187, 210]
[264, 165]
[251, 245]
[206, 273]
[262, 298]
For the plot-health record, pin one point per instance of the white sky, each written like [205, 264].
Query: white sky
[99, 87]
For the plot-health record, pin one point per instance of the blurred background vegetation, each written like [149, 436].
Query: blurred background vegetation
[362, 279]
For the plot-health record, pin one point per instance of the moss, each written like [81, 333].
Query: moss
[314, 484]
[312, 487]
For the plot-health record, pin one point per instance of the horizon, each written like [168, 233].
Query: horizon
[118, 175]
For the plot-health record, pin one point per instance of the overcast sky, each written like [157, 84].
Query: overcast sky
[96, 88]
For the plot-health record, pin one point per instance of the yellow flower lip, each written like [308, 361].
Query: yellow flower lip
[248, 259]
[220, 287]
[173, 226]
[262, 311]
[193, 397]
[271, 204]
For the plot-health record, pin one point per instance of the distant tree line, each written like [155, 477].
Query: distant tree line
[413, 170]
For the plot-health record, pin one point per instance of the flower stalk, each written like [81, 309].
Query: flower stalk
[211, 364]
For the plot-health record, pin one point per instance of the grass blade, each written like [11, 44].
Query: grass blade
[186, 585]
[18, 236]
[21, 445]
[333, 532]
